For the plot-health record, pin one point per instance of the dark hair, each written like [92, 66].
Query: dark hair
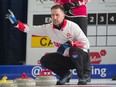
[58, 7]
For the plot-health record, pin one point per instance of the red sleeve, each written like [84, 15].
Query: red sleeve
[21, 26]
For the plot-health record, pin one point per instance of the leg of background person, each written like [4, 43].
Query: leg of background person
[83, 22]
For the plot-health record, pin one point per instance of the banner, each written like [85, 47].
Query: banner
[102, 71]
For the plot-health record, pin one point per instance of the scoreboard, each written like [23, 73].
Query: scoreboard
[102, 29]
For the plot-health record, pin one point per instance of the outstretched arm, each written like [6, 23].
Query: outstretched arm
[34, 30]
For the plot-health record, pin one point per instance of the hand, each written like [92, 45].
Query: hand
[11, 17]
[68, 6]
[68, 43]
[71, 43]
[69, 13]
[62, 48]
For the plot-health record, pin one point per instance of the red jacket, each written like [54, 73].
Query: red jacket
[80, 10]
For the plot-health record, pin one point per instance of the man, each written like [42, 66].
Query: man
[76, 11]
[67, 37]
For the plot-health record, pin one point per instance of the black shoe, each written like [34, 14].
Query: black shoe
[82, 82]
[65, 79]
[114, 78]
[88, 78]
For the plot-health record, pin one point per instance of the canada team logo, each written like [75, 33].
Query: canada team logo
[69, 35]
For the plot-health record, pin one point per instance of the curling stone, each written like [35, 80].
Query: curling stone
[7, 83]
[45, 78]
[25, 81]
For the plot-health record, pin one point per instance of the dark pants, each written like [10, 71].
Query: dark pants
[61, 65]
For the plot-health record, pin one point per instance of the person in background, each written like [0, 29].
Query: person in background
[76, 11]
[71, 43]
